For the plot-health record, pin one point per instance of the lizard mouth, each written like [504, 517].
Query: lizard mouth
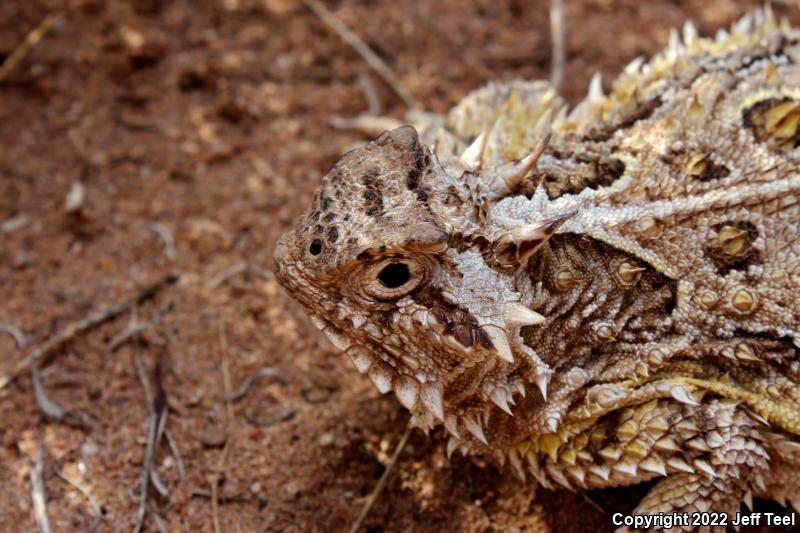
[421, 392]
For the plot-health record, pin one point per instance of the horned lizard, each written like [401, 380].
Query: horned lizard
[602, 295]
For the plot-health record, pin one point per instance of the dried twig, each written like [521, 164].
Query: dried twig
[222, 498]
[256, 420]
[215, 503]
[227, 274]
[48, 407]
[176, 452]
[31, 40]
[226, 373]
[357, 44]
[267, 371]
[130, 332]
[226, 384]
[96, 509]
[93, 320]
[593, 503]
[266, 275]
[14, 224]
[162, 528]
[166, 235]
[557, 42]
[373, 102]
[15, 332]
[157, 419]
[144, 477]
[365, 124]
[55, 411]
[158, 483]
[236, 269]
[382, 481]
[37, 492]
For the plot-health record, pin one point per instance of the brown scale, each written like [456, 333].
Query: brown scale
[630, 284]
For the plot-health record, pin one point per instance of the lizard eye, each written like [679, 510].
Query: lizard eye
[393, 278]
[394, 275]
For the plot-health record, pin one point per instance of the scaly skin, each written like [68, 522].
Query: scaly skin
[620, 304]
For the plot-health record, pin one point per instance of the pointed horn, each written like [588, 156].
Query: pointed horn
[361, 359]
[381, 377]
[702, 465]
[499, 342]
[473, 155]
[689, 32]
[518, 315]
[674, 46]
[431, 396]
[680, 394]
[748, 500]
[451, 424]
[516, 246]
[499, 397]
[474, 427]
[542, 381]
[452, 444]
[633, 67]
[515, 172]
[540, 231]
[340, 341]
[406, 391]
[596, 87]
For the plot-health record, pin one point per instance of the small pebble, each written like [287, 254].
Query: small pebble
[292, 489]
[89, 448]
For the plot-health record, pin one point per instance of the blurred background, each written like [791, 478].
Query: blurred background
[165, 145]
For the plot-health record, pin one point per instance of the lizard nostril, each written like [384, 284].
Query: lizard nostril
[316, 247]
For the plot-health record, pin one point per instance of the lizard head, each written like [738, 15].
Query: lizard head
[391, 263]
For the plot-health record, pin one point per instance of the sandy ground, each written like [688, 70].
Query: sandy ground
[197, 131]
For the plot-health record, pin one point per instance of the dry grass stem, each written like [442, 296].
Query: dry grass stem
[357, 44]
[96, 509]
[176, 453]
[37, 492]
[166, 235]
[16, 334]
[32, 39]
[48, 407]
[226, 385]
[130, 332]
[91, 321]
[382, 481]
[557, 42]
[156, 423]
[249, 380]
